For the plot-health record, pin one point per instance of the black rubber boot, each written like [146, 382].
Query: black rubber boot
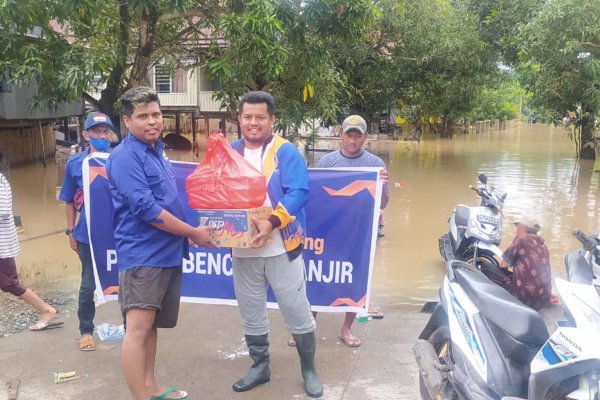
[305, 344]
[258, 348]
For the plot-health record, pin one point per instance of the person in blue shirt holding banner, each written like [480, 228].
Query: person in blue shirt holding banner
[150, 236]
[352, 154]
[97, 132]
[278, 263]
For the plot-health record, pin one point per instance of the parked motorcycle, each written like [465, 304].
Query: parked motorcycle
[475, 232]
[482, 343]
[581, 265]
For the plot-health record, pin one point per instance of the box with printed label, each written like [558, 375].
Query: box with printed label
[233, 228]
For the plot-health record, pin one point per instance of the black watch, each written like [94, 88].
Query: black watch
[69, 231]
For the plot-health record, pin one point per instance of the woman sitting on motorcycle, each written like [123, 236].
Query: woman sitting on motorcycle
[531, 278]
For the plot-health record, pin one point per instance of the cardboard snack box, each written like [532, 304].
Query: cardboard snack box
[233, 228]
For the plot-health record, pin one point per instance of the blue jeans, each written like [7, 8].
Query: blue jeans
[86, 309]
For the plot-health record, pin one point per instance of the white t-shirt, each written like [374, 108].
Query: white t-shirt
[9, 243]
[276, 247]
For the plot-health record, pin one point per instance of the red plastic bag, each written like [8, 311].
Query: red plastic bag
[224, 179]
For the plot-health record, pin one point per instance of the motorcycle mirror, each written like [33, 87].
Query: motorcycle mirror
[482, 179]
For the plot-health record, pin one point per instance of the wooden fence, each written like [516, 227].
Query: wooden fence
[31, 142]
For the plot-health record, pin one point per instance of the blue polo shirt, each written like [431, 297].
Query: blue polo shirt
[72, 192]
[142, 184]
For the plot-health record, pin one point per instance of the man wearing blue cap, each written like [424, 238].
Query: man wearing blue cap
[97, 131]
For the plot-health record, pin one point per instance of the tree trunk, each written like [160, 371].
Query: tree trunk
[586, 152]
[141, 62]
[432, 127]
[446, 131]
[111, 93]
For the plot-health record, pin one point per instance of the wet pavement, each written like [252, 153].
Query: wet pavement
[205, 354]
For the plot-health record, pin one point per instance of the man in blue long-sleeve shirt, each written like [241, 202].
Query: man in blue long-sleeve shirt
[150, 239]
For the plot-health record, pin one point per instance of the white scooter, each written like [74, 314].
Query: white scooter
[482, 343]
[475, 232]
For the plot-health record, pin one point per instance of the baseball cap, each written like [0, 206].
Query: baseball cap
[97, 119]
[529, 223]
[355, 122]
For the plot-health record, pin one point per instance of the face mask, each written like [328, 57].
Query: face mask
[100, 144]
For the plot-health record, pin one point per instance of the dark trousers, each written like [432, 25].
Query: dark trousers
[86, 309]
[499, 276]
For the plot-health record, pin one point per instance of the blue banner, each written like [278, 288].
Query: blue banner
[342, 218]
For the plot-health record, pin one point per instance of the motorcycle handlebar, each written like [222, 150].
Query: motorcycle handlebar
[474, 189]
[588, 243]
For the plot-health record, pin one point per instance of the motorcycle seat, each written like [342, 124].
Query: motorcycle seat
[519, 321]
[462, 216]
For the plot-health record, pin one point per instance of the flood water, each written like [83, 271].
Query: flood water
[534, 164]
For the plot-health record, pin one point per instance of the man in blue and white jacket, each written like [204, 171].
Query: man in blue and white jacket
[279, 262]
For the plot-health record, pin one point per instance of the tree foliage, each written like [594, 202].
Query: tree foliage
[559, 60]
[450, 66]
[502, 101]
[498, 23]
[442, 60]
[71, 48]
[286, 48]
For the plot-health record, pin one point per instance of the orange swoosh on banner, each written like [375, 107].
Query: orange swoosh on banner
[352, 189]
[345, 301]
[95, 171]
[111, 290]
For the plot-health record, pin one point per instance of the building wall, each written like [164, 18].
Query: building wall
[26, 143]
[14, 105]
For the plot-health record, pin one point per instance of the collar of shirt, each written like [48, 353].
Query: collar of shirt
[138, 145]
[352, 157]
[81, 156]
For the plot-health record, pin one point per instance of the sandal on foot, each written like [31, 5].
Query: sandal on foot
[350, 340]
[45, 325]
[86, 343]
[291, 342]
[178, 395]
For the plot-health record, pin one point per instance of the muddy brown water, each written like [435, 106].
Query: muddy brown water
[534, 164]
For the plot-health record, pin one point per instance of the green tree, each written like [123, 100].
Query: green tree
[498, 23]
[450, 66]
[287, 48]
[560, 64]
[502, 101]
[73, 48]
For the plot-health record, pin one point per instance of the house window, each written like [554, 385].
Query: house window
[214, 85]
[166, 81]
[163, 80]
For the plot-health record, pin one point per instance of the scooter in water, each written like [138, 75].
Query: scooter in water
[482, 343]
[475, 232]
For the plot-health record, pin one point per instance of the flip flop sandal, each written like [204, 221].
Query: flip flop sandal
[44, 326]
[86, 343]
[350, 341]
[166, 393]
